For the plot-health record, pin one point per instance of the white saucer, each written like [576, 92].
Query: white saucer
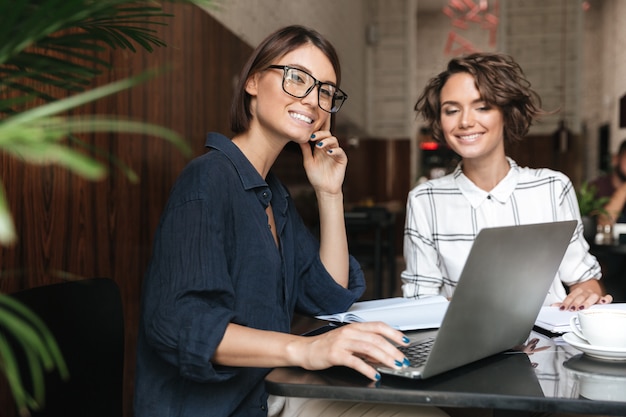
[601, 352]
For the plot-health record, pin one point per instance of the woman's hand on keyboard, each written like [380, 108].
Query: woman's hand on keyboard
[356, 346]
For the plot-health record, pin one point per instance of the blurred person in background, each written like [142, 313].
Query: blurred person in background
[613, 186]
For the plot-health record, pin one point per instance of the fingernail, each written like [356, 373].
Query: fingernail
[562, 308]
[330, 151]
[406, 362]
[320, 144]
[377, 376]
[572, 308]
[398, 363]
[603, 301]
[406, 339]
[312, 135]
[581, 307]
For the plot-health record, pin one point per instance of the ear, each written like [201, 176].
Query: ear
[252, 85]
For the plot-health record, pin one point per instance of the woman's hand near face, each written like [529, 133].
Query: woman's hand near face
[325, 167]
[326, 163]
[356, 346]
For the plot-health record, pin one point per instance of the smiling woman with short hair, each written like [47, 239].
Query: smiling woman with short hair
[479, 103]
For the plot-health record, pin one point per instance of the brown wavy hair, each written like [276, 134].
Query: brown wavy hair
[500, 82]
[275, 46]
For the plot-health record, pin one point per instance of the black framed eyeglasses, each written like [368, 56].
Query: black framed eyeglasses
[299, 83]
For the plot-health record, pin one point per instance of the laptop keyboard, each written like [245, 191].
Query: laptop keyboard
[417, 352]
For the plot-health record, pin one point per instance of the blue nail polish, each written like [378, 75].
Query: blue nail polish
[312, 135]
[330, 151]
[406, 362]
[398, 364]
[377, 376]
[406, 339]
[320, 144]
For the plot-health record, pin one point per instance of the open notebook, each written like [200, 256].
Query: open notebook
[501, 289]
[400, 313]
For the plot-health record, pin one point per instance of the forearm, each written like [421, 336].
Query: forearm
[333, 239]
[353, 346]
[246, 347]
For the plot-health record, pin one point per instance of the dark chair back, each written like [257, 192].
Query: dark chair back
[86, 318]
[371, 235]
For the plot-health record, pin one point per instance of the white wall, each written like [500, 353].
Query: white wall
[383, 79]
[545, 39]
[614, 65]
[341, 22]
[591, 94]
[603, 75]
[391, 67]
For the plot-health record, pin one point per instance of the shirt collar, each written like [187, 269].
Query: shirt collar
[249, 176]
[501, 192]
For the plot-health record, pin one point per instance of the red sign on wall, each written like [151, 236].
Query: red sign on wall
[462, 14]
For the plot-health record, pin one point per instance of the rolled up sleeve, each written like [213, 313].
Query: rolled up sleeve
[193, 298]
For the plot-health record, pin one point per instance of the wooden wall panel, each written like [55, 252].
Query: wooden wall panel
[105, 228]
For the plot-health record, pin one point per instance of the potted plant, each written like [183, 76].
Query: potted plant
[590, 207]
[54, 46]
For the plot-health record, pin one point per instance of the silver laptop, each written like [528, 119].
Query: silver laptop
[499, 294]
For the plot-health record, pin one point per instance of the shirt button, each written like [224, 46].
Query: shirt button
[264, 194]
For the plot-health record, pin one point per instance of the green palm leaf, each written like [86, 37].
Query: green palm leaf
[70, 28]
[40, 349]
[54, 45]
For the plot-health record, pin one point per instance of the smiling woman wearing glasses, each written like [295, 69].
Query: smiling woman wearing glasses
[233, 259]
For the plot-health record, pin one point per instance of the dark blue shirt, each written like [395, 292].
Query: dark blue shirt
[215, 262]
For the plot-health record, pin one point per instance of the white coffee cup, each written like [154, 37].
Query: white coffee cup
[601, 327]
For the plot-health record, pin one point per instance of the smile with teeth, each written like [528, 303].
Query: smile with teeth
[469, 137]
[302, 117]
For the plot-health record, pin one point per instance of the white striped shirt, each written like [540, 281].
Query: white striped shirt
[444, 216]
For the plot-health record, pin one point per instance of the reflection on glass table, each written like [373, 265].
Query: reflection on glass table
[597, 379]
[544, 375]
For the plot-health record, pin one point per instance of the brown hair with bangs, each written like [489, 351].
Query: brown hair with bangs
[500, 82]
[273, 47]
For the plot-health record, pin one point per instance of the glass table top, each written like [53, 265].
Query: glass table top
[546, 374]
